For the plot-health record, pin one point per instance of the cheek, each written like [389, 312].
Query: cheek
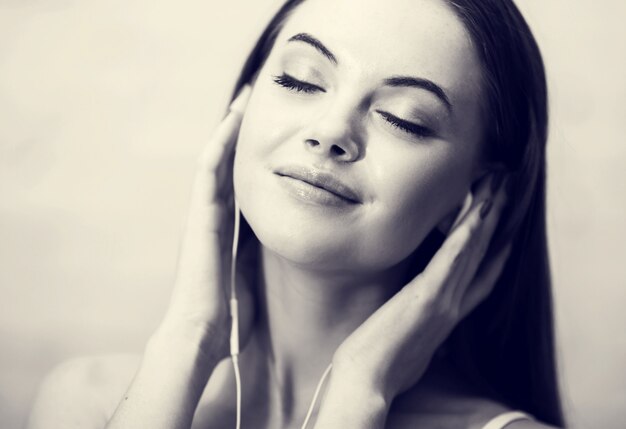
[414, 193]
[273, 115]
[413, 186]
[261, 133]
[267, 139]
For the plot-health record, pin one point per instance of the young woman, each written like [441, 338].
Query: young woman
[389, 173]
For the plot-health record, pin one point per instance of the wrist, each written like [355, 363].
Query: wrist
[367, 409]
[204, 343]
[169, 382]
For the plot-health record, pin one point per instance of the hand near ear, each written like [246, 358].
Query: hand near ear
[194, 334]
[199, 303]
[392, 349]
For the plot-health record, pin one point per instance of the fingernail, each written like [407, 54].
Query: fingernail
[496, 181]
[485, 208]
[239, 103]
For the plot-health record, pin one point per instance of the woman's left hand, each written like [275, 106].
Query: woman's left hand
[392, 349]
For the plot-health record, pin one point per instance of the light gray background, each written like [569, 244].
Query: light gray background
[104, 106]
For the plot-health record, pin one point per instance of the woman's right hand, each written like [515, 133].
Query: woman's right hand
[199, 306]
[193, 336]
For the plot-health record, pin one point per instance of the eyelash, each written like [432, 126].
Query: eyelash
[408, 127]
[296, 85]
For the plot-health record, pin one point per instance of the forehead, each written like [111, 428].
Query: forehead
[423, 38]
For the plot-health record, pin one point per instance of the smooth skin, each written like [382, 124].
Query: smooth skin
[327, 291]
[83, 393]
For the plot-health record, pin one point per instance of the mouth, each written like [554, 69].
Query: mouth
[322, 180]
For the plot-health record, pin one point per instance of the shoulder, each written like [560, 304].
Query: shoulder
[447, 410]
[475, 418]
[82, 392]
[526, 424]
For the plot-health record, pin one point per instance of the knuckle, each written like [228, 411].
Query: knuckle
[463, 237]
[457, 258]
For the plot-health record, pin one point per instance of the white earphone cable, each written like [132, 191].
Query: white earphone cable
[235, 360]
[317, 392]
[234, 333]
[234, 314]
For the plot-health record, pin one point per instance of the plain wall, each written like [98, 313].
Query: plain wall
[104, 106]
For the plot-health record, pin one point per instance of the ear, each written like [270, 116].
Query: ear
[459, 210]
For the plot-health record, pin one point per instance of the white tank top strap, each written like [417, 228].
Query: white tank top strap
[502, 420]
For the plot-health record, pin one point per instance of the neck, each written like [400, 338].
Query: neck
[305, 314]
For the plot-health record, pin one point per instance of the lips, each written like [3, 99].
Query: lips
[322, 180]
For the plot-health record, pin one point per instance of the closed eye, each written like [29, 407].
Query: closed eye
[291, 83]
[406, 126]
[294, 84]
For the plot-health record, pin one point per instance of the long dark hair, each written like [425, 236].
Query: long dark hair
[506, 346]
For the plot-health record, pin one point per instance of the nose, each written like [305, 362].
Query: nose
[335, 134]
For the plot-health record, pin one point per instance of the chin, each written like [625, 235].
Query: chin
[321, 248]
[300, 241]
[303, 235]
[314, 236]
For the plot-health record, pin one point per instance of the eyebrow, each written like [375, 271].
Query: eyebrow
[307, 38]
[394, 81]
[418, 82]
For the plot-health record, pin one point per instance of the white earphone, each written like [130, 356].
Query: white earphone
[234, 331]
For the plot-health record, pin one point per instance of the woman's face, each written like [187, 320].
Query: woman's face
[362, 133]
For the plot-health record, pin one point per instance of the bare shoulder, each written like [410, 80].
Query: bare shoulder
[526, 424]
[457, 416]
[82, 392]
[445, 409]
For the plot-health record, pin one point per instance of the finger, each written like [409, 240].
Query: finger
[206, 227]
[226, 133]
[212, 180]
[465, 208]
[485, 280]
[489, 215]
[421, 298]
[450, 261]
[416, 314]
